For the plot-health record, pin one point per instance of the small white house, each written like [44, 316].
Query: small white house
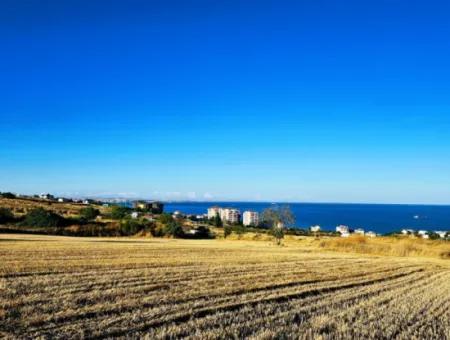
[359, 231]
[441, 234]
[425, 236]
[134, 214]
[422, 232]
[315, 228]
[371, 234]
[345, 234]
[342, 229]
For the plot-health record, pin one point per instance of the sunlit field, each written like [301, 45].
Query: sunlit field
[91, 287]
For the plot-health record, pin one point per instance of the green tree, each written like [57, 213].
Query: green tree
[6, 215]
[217, 221]
[8, 195]
[118, 212]
[165, 218]
[173, 229]
[277, 218]
[226, 231]
[40, 217]
[89, 213]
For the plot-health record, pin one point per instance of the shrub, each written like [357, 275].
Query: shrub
[8, 195]
[226, 231]
[40, 217]
[118, 212]
[166, 218]
[89, 213]
[173, 229]
[130, 227]
[6, 215]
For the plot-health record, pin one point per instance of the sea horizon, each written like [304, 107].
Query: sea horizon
[380, 218]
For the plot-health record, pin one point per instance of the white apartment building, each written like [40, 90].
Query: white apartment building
[230, 215]
[213, 211]
[359, 231]
[250, 218]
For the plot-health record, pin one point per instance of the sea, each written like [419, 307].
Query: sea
[380, 218]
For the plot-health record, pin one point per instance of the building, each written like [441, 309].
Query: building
[250, 218]
[359, 231]
[230, 215]
[62, 200]
[407, 231]
[345, 234]
[213, 211]
[422, 232]
[154, 207]
[134, 214]
[371, 234]
[442, 234]
[46, 196]
[315, 228]
[342, 229]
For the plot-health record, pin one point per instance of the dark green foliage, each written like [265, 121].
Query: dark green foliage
[239, 229]
[217, 221]
[6, 215]
[226, 231]
[40, 217]
[166, 218]
[118, 212]
[89, 213]
[130, 227]
[173, 229]
[7, 195]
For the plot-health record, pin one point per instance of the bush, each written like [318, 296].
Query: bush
[166, 218]
[226, 231]
[130, 227]
[7, 195]
[173, 229]
[40, 217]
[118, 212]
[6, 215]
[89, 213]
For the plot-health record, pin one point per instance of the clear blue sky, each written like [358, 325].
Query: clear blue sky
[343, 101]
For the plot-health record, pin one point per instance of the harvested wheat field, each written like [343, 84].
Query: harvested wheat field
[73, 287]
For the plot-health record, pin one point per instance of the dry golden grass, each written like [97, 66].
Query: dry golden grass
[402, 246]
[72, 287]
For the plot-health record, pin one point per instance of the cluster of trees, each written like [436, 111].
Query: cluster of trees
[7, 195]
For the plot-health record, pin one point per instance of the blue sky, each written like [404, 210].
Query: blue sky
[336, 101]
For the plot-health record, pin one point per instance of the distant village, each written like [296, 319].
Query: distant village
[142, 209]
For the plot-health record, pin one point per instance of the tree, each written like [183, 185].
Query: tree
[6, 215]
[8, 195]
[173, 229]
[217, 221]
[278, 233]
[166, 218]
[118, 212]
[89, 213]
[40, 217]
[278, 218]
[226, 231]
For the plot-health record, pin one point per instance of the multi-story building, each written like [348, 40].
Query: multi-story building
[230, 215]
[154, 207]
[250, 218]
[213, 211]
